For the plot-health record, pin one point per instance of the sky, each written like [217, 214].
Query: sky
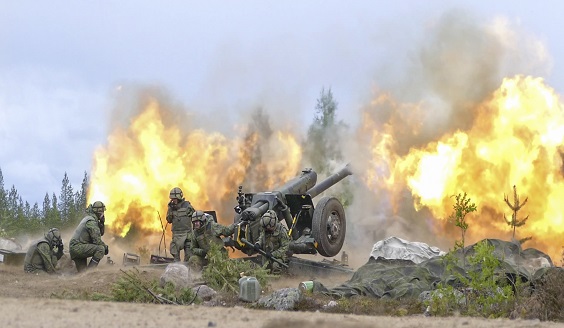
[65, 65]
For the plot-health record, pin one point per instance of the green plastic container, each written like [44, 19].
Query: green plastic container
[249, 289]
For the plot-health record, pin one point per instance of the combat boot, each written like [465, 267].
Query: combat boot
[93, 263]
[81, 264]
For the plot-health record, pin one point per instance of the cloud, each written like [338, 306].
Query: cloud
[50, 124]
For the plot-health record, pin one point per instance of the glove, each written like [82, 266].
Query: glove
[59, 252]
[106, 250]
[267, 254]
[257, 247]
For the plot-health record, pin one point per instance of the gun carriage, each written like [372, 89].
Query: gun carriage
[312, 229]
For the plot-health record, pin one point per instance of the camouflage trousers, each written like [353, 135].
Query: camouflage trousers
[81, 252]
[35, 268]
[180, 241]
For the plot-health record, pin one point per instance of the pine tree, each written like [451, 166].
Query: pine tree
[12, 209]
[324, 134]
[462, 207]
[322, 146]
[21, 216]
[3, 206]
[54, 214]
[80, 201]
[46, 210]
[66, 201]
[515, 207]
[31, 217]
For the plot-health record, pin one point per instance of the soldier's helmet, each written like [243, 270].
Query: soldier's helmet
[53, 236]
[198, 219]
[269, 220]
[98, 207]
[176, 193]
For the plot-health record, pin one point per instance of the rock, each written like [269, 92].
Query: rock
[178, 274]
[204, 292]
[282, 300]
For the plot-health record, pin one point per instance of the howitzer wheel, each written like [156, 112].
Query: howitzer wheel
[329, 226]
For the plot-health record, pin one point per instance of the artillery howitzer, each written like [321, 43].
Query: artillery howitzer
[320, 229]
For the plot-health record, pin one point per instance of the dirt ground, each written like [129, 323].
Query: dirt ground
[37, 301]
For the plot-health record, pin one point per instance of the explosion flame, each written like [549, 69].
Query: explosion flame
[515, 138]
[134, 173]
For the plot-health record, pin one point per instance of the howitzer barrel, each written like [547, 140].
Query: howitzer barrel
[301, 184]
[253, 213]
[330, 181]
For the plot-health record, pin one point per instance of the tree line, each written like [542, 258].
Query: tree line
[19, 217]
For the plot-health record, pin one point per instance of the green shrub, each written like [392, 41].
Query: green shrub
[489, 295]
[483, 292]
[133, 287]
[223, 274]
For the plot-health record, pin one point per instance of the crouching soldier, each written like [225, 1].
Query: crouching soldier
[205, 231]
[87, 239]
[274, 241]
[41, 255]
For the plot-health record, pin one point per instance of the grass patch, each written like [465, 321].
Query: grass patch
[361, 305]
[547, 300]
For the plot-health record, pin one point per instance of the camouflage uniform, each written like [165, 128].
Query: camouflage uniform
[87, 240]
[179, 215]
[40, 256]
[274, 240]
[209, 232]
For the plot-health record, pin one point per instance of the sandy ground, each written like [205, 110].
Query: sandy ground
[35, 301]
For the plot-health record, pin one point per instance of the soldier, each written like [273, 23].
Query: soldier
[179, 215]
[41, 255]
[205, 231]
[87, 239]
[274, 240]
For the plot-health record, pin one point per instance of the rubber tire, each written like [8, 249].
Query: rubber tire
[326, 207]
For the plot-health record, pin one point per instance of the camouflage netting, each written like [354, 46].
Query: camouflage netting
[400, 278]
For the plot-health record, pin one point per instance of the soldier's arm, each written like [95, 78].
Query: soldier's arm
[49, 261]
[169, 215]
[194, 246]
[191, 209]
[221, 230]
[94, 232]
[284, 245]
[197, 250]
[260, 240]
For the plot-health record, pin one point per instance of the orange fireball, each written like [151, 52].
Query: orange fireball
[140, 164]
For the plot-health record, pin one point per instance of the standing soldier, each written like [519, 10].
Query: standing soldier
[87, 239]
[205, 231]
[274, 240]
[178, 214]
[41, 255]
